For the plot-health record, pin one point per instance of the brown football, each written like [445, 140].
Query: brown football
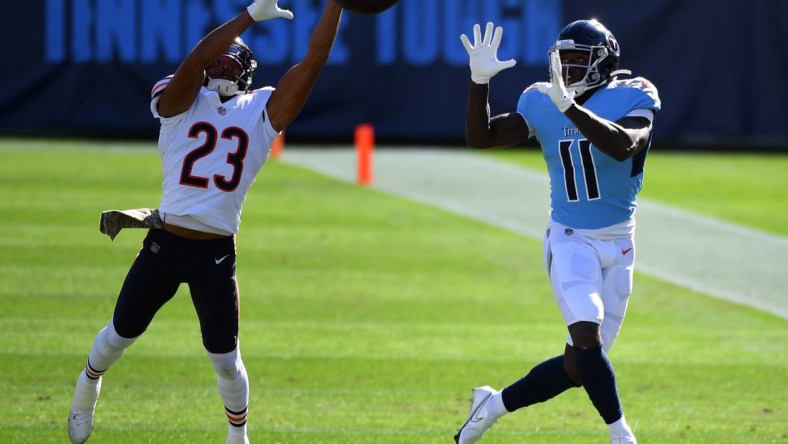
[366, 6]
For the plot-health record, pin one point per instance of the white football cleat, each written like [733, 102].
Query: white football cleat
[479, 419]
[621, 433]
[80, 424]
[80, 419]
[624, 437]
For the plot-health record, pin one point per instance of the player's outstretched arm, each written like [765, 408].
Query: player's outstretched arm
[190, 75]
[296, 84]
[481, 131]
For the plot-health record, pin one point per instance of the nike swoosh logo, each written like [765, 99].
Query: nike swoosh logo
[624, 252]
[219, 261]
[476, 417]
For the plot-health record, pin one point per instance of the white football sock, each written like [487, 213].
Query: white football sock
[620, 427]
[86, 393]
[107, 349]
[233, 384]
[495, 405]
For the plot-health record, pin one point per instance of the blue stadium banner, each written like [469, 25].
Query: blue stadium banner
[85, 67]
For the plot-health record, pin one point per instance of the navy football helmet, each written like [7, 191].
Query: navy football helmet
[603, 49]
[241, 53]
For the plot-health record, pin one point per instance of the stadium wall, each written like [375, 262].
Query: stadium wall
[84, 68]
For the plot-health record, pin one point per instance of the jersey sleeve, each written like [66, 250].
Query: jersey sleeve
[644, 94]
[155, 93]
[523, 105]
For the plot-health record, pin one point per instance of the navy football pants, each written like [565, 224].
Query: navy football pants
[166, 261]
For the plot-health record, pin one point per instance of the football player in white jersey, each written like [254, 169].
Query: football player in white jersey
[594, 131]
[215, 135]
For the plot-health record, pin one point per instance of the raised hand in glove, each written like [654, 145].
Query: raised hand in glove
[483, 53]
[556, 89]
[267, 9]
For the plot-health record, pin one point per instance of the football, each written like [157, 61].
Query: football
[366, 6]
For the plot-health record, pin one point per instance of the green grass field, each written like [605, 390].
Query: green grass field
[366, 318]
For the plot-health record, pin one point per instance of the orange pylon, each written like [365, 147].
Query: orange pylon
[365, 144]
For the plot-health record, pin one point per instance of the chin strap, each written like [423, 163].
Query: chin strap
[579, 90]
[620, 72]
[223, 86]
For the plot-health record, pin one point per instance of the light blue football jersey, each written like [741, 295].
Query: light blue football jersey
[588, 188]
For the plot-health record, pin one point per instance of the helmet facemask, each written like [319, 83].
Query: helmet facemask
[593, 70]
[603, 51]
[241, 56]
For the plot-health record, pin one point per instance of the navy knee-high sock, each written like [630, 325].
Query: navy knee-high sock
[599, 380]
[545, 381]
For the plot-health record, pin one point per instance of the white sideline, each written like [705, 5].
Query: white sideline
[723, 260]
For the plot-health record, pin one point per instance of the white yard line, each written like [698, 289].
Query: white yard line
[701, 253]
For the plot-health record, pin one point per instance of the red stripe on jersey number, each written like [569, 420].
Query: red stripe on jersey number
[236, 159]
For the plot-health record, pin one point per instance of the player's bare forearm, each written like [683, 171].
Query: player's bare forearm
[477, 116]
[483, 131]
[323, 36]
[294, 88]
[619, 140]
[189, 77]
[218, 40]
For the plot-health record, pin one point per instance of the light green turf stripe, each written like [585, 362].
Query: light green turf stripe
[701, 253]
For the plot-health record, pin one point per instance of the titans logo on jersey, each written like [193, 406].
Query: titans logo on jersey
[588, 188]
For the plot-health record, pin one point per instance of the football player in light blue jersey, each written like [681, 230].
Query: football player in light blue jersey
[594, 130]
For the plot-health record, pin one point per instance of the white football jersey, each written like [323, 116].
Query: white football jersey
[211, 155]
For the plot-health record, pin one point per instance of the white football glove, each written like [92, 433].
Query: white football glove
[483, 53]
[556, 89]
[267, 9]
